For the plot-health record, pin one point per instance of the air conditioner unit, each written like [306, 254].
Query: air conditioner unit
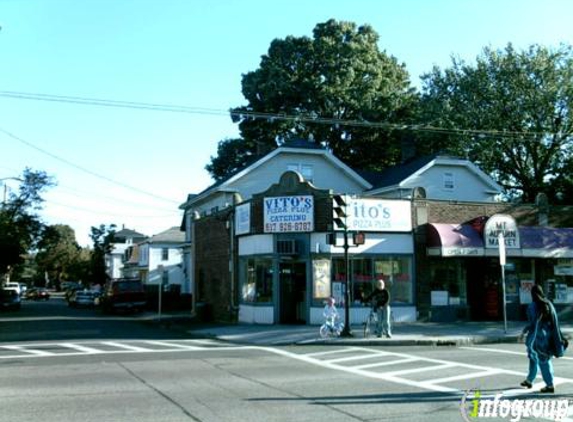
[287, 247]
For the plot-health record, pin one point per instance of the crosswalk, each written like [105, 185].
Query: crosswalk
[412, 370]
[92, 347]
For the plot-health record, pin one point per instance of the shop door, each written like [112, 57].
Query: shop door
[292, 280]
[483, 290]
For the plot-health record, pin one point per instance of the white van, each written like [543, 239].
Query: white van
[12, 285]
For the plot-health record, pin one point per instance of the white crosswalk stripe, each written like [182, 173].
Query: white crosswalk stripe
[403, 368]
[13, 351]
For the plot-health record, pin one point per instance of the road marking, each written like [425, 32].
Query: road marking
[509, 352]
[126, 346]
[93, 348]
[351, 358]
[80, 348]
[392, 362]
[422, 369]
[172, 345]
[398, 376]
[34, 352]
[469, 376]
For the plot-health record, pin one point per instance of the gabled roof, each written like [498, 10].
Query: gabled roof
[171, 235]
[123, 234]
[295, 146]
[400, 175]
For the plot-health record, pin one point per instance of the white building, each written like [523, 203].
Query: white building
[115, 259]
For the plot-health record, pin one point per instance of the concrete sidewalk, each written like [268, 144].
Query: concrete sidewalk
[422, 333]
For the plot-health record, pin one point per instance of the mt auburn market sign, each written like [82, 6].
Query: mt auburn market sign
[501, 224]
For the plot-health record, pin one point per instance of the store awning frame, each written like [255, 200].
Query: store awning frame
[463, 240]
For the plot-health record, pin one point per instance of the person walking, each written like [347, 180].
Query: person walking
[380, 300]
[542, 335]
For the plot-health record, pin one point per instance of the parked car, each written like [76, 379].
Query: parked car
[123, 294]
[82, 298]
[9, 299]
[70, 290]
[13, 285]
[37, 293]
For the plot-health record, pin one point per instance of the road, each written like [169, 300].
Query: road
[153, 374]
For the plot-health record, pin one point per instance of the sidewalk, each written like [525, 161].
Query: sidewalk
[404, 334]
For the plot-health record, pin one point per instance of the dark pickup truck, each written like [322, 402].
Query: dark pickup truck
[123, 294]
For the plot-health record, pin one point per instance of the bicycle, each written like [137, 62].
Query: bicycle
[370, 322]
[331, 328]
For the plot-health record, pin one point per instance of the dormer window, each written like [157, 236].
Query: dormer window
[449, 181]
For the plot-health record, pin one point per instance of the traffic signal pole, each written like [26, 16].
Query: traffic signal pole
[346, 331]
[339, 203]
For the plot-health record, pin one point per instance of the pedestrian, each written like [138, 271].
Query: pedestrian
[543, 336]
[380, 302]
[330, 312]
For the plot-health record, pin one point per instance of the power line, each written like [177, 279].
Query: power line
[305, 118]
[90, 172]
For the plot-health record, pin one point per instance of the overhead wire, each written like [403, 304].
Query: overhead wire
[83, 169]
[269, 116]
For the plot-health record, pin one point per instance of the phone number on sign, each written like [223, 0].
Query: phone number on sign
[304, 226]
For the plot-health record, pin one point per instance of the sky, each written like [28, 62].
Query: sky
[133, 167]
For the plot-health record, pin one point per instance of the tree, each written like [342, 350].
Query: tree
[102, 238]
[19, 225]
[311, 88]
[58, 253]
[511, 113]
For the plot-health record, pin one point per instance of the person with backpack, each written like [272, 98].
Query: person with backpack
[543, 339]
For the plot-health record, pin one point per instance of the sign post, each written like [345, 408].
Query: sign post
[502, 261]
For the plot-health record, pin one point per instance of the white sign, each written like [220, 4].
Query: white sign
[321, 272]
[525, 291]
[501, 244]
[243, 219]
[377, 215]
[501, 224]
[284, 214]
[563, 270]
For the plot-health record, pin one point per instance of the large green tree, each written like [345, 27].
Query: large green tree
[329, 88]
[59, 254]
[512, 113]
[20, 226]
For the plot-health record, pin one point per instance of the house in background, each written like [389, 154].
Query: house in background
[438, 177]
[160, 262]
[122, 241]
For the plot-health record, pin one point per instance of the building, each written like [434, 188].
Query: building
[459, 272]
[160, 261]
[122, 241]
[258, 245]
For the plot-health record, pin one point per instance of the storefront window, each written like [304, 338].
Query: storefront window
[447, 277]
[258, 282]
[397, 274]
[395, 271]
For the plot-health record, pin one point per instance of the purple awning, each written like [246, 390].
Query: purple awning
[464, 240]
[454, 240]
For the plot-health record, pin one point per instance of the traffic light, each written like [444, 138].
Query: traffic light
[339, 215]
[359, 238]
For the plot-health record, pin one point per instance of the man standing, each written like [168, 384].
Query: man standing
[380, 301]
